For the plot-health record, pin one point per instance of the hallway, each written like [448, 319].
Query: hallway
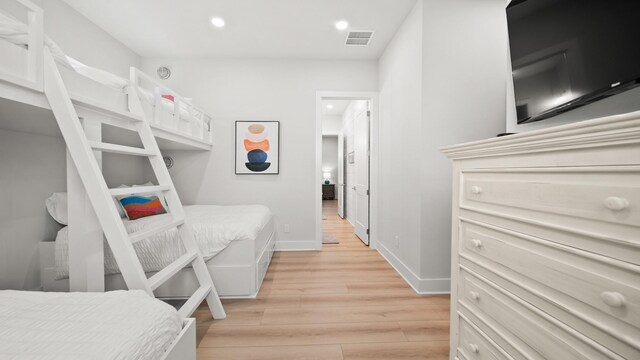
[344, 302]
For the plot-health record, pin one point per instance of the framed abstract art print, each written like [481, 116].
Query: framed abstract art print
[257, 147]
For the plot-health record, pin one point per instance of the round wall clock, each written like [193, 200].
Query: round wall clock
[168, 161]
[164, 72]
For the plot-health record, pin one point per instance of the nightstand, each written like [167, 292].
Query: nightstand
[328, 191]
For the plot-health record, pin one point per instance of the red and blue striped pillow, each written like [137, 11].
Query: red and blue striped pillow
[137, 207]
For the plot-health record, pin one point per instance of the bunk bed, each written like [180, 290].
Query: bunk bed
[176, 123]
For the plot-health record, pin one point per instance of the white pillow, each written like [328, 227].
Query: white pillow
[57, 207]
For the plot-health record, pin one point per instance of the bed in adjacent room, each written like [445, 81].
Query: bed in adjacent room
[112, 325]
[237, 243]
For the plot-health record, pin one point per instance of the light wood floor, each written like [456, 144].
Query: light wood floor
[344, 302]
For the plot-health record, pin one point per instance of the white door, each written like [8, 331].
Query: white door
[361, 157]
[341, 183]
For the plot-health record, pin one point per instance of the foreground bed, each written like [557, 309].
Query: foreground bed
[112, 325]
[236, 241]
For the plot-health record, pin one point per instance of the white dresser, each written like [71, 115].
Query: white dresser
[546, 244]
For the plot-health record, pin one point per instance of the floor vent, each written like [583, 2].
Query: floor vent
[359, 38]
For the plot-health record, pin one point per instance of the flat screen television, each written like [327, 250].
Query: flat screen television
[569, 53]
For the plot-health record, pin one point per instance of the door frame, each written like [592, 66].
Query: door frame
[373, 98]
[341, 175]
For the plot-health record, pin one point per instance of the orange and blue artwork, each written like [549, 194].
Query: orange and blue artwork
[257, 147]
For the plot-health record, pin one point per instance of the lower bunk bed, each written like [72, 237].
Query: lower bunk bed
[237, 243]
[113, 325]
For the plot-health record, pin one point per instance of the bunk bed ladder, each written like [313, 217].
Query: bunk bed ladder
[101, 198]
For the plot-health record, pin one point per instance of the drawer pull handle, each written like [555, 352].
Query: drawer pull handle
[613, 299]
[476, 190]
[474, 348]
[476, 243]
[616, 203]
[474, 295]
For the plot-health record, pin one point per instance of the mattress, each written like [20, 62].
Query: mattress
[214, 228]
[112, 325]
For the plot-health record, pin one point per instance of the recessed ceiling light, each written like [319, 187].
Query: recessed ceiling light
[329, 106]
[342, 25]
[217, 21]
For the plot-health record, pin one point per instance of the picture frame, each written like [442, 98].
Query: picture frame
[257, 147]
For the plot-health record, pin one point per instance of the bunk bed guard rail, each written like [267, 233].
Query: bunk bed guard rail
[166, 108]
[32, 76]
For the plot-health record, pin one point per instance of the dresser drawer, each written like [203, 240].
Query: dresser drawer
[536, 335]
[571, 278]
[474, 345]
[601, 201]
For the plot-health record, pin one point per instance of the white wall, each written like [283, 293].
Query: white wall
[331, 124]
[261, 89]
[33, 166]
[400, 86]
[85, 41]
[441, 82]
[463, 100]
[330, 156]
[625, 102]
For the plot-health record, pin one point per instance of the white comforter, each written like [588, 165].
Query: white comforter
[214, 228]
[112, 325]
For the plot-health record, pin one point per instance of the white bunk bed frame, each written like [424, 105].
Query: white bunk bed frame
[86, 262]
[238, 271]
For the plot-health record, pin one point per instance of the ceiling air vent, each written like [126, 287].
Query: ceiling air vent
[359, 38]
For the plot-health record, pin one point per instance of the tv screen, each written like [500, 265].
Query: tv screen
[568, 53]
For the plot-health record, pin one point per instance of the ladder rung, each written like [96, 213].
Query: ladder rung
[139, 190]
[165, 274]
[119, 149]
[194, 301]
[143, 234]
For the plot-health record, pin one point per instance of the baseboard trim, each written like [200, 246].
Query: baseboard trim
[420, 286]
[306, 245]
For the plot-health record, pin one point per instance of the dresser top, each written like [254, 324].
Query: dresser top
[607, 131]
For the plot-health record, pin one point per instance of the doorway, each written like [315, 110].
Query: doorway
[345, 163]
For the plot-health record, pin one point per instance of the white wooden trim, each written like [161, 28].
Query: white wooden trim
[184, 346]
[419, 285]
[608, 131]
[374, 144]
[292, 245]
[86, 243]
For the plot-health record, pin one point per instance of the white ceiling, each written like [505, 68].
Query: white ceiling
[298, 29]
[334, 107]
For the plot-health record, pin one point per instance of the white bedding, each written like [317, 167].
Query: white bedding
[214, 228]
[112, 325]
